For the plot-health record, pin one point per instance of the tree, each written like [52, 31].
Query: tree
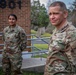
[43, 17]
[34, 12]
[39, 15]
[73, 13]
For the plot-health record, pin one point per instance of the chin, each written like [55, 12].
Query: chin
[54, 24]
[12, 25]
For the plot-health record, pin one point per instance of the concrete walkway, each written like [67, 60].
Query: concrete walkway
[32, 64]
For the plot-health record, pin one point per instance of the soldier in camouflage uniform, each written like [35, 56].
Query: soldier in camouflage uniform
[14, 43]
[61, 58]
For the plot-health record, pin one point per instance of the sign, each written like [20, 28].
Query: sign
[11, 4]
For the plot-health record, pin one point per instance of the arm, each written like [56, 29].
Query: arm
[23, 39]
[57, 61]
[61, 54]
[71, 50]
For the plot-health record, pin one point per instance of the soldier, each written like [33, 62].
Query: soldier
[61, 58]
[14, 43]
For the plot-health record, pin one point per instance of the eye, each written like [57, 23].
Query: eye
[50, 13]
[9, 18]
[56, 13]
[13, 18]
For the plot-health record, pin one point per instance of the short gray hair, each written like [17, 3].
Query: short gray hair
[59, 3]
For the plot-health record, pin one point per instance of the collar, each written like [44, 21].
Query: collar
[13, 28]
[63, 28]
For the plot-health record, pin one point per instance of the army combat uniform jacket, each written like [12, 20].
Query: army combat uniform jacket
[14, 43]
[61, 58]
[14, 38]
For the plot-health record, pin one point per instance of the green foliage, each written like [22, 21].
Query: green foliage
[74, 5]
[73, 13]
[43, 17]
[39, 15]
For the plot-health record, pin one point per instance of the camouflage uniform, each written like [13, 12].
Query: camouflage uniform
[14, 43]
[61, 58]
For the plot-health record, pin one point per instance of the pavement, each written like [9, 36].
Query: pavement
[31, 64]
[34, 64]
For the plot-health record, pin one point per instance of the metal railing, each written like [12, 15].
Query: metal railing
[32, 45]
[35, 51]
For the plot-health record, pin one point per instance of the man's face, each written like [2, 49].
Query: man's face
[12, 21]
[56, 16]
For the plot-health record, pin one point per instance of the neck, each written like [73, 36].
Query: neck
[12, 26]
[61, 25]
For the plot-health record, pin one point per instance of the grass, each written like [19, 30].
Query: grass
[33, 32]
[39, 56]
[43, 35]
[46, 35]
[41, 46]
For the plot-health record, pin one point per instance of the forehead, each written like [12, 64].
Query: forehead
[11, 17]
[54, 9]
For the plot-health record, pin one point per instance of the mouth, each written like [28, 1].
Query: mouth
[11, 23]
[53, 21]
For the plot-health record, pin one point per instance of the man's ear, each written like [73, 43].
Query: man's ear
[65, 14]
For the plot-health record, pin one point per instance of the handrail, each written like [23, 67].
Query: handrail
[36, 52]
[37, 38]
[32, 46]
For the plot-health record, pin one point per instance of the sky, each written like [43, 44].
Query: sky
[67, 2]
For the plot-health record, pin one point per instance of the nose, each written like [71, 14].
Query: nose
[10, 20]
[51, 16]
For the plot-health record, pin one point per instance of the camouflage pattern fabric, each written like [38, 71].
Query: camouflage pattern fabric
[14, 43]
[61, 58]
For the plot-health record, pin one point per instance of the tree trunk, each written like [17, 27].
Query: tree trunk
[40, 31]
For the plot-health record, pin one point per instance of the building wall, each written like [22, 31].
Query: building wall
[23, 14]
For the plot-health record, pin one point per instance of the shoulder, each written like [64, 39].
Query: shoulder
[71, 26]
[71, 33]
[71, 29]
[6, 29]
[20, 28]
